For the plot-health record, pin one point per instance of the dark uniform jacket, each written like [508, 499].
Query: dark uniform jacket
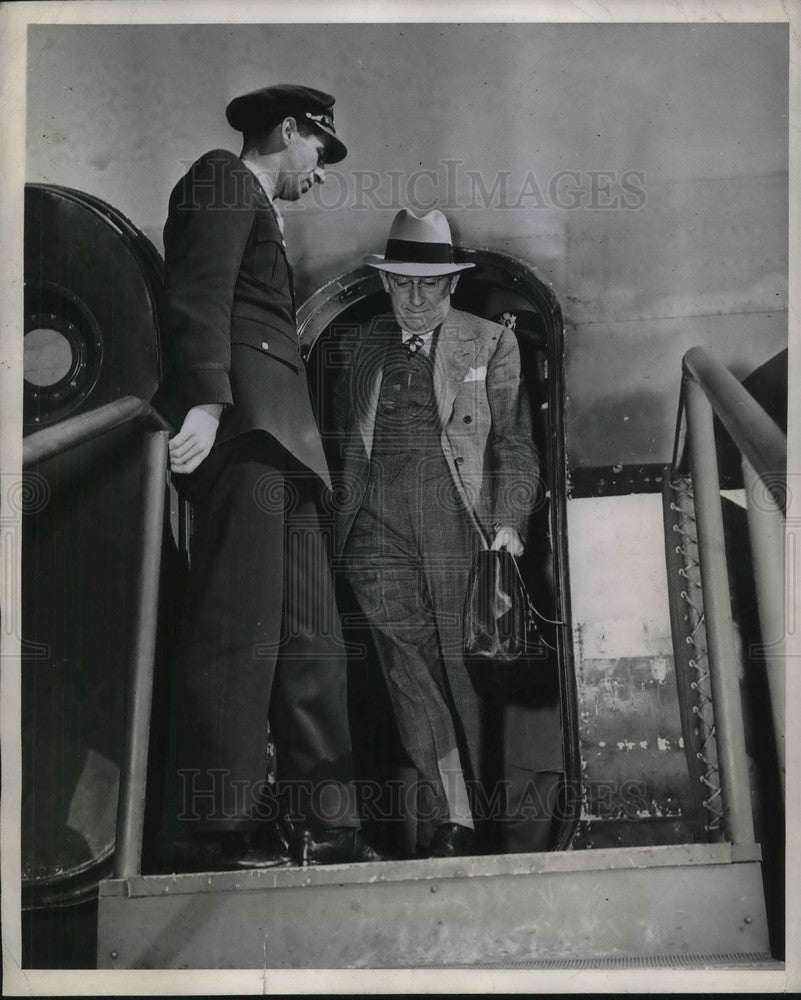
[229, 317]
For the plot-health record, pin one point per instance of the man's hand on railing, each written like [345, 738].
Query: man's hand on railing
[194, 440]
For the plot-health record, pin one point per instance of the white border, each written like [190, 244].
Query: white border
[14, 19]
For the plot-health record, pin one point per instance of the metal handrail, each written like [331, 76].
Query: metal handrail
[709, 389]
[85, 427]
[754, 432]
[56, 440]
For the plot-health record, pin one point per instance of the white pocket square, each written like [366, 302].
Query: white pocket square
[477, 374]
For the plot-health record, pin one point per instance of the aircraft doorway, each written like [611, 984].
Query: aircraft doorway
[530, 716]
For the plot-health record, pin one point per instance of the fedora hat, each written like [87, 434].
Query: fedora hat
[418, 246]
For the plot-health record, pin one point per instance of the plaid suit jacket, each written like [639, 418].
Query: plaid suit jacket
[485, 420]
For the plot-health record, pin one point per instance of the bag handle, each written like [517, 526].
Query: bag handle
[531, 607]
[551, 621]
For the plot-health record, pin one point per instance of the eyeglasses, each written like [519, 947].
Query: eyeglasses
[402, 281]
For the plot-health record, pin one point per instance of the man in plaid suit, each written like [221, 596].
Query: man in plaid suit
[438, 450]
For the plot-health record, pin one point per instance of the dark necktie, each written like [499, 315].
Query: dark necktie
[414, 343]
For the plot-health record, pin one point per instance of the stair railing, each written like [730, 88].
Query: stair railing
[709, 389]
[53, 441]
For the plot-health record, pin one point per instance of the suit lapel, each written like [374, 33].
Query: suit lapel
[456, 351]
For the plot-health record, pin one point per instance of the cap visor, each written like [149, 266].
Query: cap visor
[335, 151]
[412, 270]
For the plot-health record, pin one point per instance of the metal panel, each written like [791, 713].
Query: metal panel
[635, 786]
[621, 904]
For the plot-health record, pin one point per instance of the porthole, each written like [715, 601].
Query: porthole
[48, 357]
[62, 354]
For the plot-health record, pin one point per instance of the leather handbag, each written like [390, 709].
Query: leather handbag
[499, 618]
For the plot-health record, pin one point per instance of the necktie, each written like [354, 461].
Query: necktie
[414, 343]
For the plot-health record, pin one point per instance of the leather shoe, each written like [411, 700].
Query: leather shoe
[334, 846]
[225, 851]
[452, 840]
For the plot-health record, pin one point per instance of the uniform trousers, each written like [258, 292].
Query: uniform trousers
[260, 638]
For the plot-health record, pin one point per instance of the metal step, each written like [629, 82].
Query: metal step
[742, 962]
[621, 904]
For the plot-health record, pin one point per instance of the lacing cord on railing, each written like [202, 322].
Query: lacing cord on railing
[693, 599]
[710, 779]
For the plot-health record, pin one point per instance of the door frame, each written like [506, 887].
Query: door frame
[329, 301]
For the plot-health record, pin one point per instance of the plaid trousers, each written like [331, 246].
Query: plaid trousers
[408, 559]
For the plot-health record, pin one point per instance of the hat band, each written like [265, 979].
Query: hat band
[411, 252]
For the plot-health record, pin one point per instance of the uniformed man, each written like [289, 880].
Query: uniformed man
[260, 633]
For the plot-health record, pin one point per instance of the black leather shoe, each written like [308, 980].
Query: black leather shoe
[225, 851]
[452, 840]
[334, 846]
